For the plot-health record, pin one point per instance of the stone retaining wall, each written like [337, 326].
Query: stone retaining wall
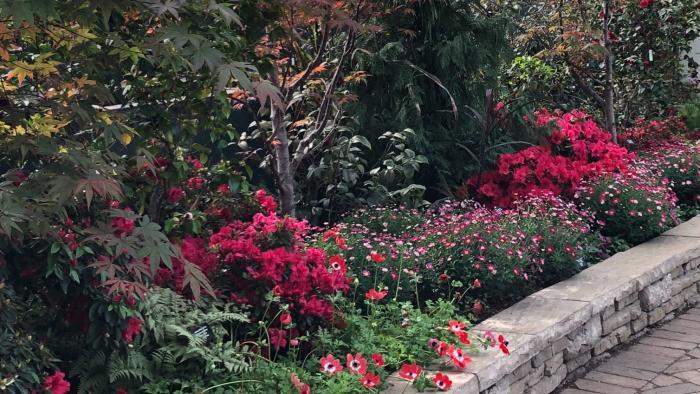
[555, 332]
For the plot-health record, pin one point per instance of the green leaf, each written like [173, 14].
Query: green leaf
[25, 10]
[168, 7]
[359, 139]
[267, 92]
[226, 13]
[236, 70]
[74, 275]
[208, 55]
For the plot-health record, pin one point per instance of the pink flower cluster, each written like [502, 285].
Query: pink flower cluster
[632, 206]
[577, 149]
[487, 249]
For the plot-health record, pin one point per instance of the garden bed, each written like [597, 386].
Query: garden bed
[555, 332]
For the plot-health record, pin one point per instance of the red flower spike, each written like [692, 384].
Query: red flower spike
[356, 364]
[330, 365]
[442, 381]
[410, 371]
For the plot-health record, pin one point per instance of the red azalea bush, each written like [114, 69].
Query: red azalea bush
[267, 255]
[576, 149]
[645, 134]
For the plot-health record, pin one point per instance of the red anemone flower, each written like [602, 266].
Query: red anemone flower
[456, 326]
[356, 364]
[442, 381]
[378, 359]
[338, 264]
[410, 371]
[459, 359]
[374, 295]
[369, 380]
[330, 365]
[376, 257]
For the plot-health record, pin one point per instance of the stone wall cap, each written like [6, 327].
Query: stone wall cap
[691, 228]
[550, 314]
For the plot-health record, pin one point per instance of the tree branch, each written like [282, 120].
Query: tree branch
[314, 63]
[600, 101]
[324, 109]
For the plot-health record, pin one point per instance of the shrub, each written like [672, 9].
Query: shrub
[24, 356]
[645, 134]
[267, 257]
[176, 346]
[630, 206]
[576, 149]
[678, 163]
[358, 357]
[477, 255]
[690, 112]
[497, 256]
[380, 219]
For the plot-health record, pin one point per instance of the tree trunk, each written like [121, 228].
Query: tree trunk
[609, 109]
[285, 178]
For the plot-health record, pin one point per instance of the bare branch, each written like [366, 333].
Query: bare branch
[600, 101]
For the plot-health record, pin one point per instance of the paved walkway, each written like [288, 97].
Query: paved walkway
[665, 361]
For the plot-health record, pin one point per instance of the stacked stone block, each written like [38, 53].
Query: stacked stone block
[558, 332]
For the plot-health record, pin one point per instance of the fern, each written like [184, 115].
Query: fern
[163, 356]
[93, 371]
[135, 367]
[171, 321]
